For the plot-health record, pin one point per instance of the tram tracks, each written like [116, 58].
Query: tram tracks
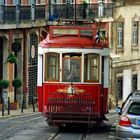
[55, 135]
[84, 135]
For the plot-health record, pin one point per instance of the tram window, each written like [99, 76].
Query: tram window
[51, 66]
[72, 68]
[91, 66]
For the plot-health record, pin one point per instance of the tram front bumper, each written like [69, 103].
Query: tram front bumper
[72, 118]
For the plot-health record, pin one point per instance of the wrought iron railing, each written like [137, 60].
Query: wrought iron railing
[21, 13]
[25, 13]
[40, 12]
[9, 14]
[31, 13]
[89, 11]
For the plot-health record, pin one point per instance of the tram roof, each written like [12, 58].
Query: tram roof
[67, 41]
[72, 37]
[70, 42]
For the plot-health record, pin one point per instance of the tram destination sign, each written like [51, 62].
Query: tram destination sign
[65, 31]
[86, 32]
[81, 32]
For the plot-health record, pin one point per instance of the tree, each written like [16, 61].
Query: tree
[16, 83]
[11, 58]
[4, 84]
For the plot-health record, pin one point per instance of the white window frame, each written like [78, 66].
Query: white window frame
[92, 68]
[55, 67]
[61, 1]
[120, 37]
[135, 33]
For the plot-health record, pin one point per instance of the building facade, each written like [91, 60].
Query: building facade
[26, 21]
[21, 21]
[125, 50]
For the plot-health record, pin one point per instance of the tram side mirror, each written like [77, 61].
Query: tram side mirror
[118, 110]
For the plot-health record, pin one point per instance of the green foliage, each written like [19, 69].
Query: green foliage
[4, 83]
[17, 83]
[11, 58]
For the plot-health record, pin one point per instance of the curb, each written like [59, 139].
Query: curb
[14, 113]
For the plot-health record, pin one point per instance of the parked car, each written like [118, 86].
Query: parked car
[128, 125]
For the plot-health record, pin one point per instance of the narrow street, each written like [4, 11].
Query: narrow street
[34, 127]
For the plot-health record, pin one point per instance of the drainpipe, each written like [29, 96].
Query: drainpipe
[2, 11]
[17, 13]
[74, 12]
[49, 9]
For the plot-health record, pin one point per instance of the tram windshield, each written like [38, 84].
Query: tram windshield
[72, 67]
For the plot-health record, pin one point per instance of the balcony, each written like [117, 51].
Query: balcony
[21, 16]
[80, 12]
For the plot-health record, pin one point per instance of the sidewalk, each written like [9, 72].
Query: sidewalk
[14, 113]
[18, 112]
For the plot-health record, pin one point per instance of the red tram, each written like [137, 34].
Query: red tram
[73, 75]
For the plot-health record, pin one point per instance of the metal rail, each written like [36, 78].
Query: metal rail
[54, 136]
[84, 135]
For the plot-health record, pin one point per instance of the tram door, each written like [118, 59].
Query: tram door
[1, 62]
